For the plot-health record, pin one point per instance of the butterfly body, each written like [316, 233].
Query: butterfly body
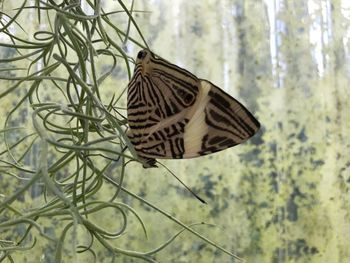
[174, 114]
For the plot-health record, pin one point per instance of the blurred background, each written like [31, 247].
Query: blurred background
[282, 196]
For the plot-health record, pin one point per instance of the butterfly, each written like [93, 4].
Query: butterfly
[172, 114]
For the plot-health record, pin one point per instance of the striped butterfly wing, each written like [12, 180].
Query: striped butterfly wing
[173, 114]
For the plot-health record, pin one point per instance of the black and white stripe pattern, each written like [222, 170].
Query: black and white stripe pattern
[173, 114]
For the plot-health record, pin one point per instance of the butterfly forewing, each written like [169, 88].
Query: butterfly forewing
[173, 114]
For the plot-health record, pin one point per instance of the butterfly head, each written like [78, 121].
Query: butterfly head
[143, 56]
[143, 60]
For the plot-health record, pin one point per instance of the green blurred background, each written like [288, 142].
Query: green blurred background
[283, 196]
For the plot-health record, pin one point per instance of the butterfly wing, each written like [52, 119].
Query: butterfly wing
[173, 114]
[160, 95]
[219, 122]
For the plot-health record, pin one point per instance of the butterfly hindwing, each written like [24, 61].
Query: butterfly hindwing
[173, 114]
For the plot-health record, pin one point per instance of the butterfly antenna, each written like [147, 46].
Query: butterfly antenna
[189, 189]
